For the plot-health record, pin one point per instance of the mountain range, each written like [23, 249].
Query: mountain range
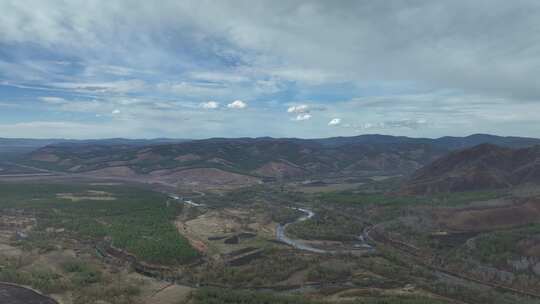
[256, 159]
[14, 146]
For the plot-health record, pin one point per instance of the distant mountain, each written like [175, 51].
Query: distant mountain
[455, 143]
[18, 146]
[260, 158]
[122, 141]
[10, 147]
[447, 142]
[485, 166]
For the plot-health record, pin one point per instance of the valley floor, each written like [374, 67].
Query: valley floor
[80, 239]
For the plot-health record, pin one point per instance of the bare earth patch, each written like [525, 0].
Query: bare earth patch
[224, 223]
[88, 195]
[328, 187]
[122, 171]
[157, 292]
[203, 178]
[7, 251]
[187, 157]
[280, 169]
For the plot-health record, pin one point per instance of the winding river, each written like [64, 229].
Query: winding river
[185, 201]
[298, 244]
[281, 236]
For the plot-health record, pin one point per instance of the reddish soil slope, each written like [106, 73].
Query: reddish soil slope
[482, 167]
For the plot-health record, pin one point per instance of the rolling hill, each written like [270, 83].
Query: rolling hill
[254, 159]
[263, 157]
[18, 146]
[485, 166]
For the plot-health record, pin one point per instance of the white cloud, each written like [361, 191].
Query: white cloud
[306, 76]
[116, 112]
[302, 116]
[368, 125]
[209, 105]
[218, 77]
[298, 109]
[237, 104]
[120, 86]
[53, 100]
[189, 88]
[393, 124]
[334, 122]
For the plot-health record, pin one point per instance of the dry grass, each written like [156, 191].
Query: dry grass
[88, 195]
[225, 223]
[328, 188]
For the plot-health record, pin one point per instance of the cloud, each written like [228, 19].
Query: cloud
[298, 109]
[303, 111]
[193, 89]
[218, 77]
[209, 105]
[334, 122]
[53, 100]
[315, 42]
[115, 112]
[237, 104]
[390, 124]
[120, 86]
[302, 116]
[304, 76]
[408, 123]
[382, 64]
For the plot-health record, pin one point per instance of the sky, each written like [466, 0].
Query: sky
[312, 69]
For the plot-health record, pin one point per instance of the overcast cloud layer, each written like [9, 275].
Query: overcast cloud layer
[195, 69]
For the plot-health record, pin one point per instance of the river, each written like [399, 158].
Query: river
[281, 236]
[298, 244]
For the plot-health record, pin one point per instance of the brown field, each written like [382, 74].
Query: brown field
[279, 169]
[328, 187]
[122, 171]
[203, 178]
[224, 223]
[89, 195]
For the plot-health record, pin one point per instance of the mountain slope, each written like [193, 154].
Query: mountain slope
[262, 157]
[446, 142]
[266, 158]
[482, 167]
[19, 146]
